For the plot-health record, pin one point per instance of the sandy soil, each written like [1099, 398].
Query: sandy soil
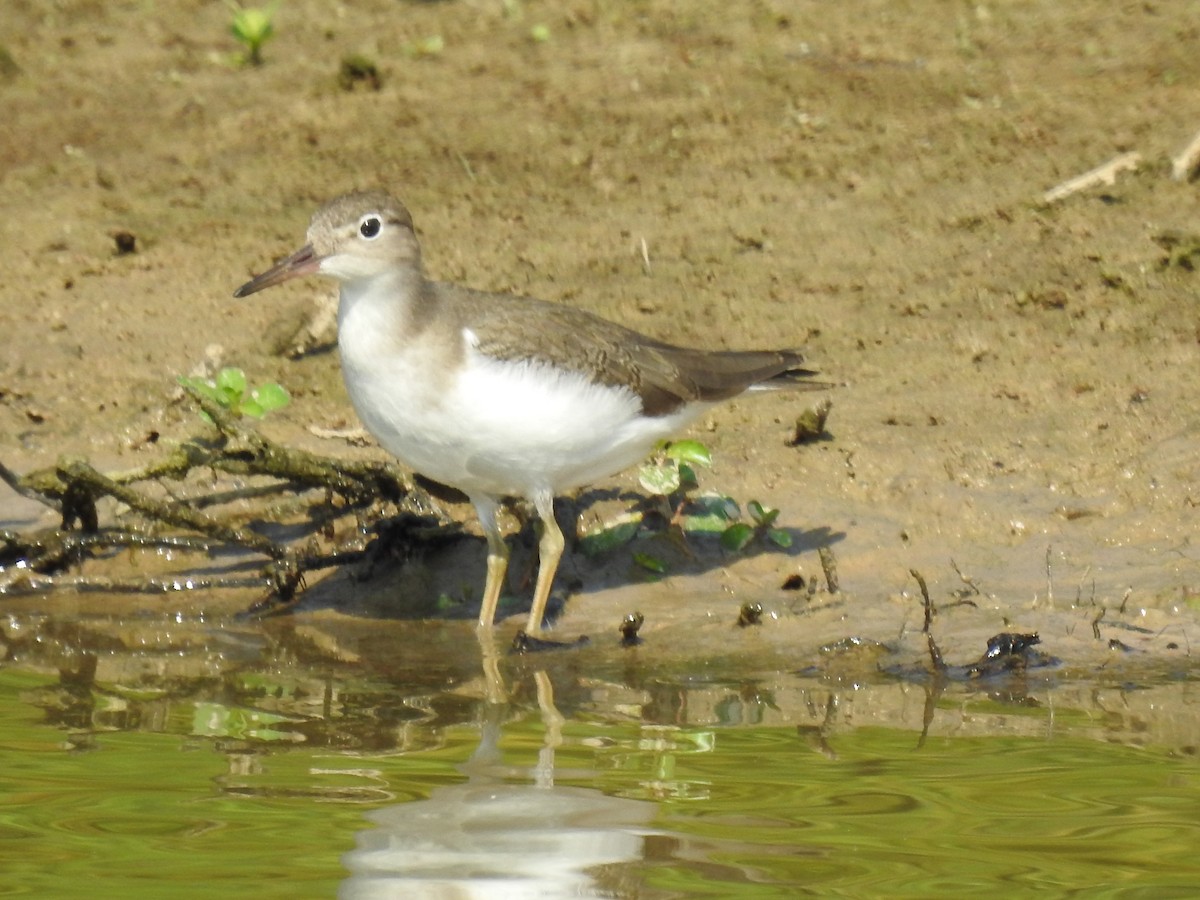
[1019, 380]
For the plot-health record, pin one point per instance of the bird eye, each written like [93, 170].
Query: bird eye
[369, 226]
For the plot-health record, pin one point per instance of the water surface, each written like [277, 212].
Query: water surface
[256, 765]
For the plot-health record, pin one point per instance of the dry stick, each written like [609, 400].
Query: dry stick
[1104, 174]
[1124, 600]
[935, 655]
[829, 567]
[1049, 579]
[26, 582]
[260, 456]
[9, 477]
[79, 472]
[285, 574]
[52, 548]
[242, 452]
[72, 486]
[1185, 166]
[924, 599]
[968, 581]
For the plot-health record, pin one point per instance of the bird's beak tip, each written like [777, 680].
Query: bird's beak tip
[303, 262]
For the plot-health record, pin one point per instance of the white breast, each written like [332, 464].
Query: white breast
[488, 426]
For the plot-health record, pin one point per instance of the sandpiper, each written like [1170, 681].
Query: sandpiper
[499, 395]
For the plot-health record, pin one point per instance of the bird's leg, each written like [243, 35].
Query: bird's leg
[497, 559]
[550, 550]
[494, 690]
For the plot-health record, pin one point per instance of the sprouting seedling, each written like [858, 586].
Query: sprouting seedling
[231, 391]
[669, 476]
[426, 47]
[738, 536]
[252, 26]
[672, 468]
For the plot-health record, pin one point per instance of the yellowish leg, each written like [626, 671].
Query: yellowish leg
[497, 560]
[553, 721]
[550, 550]
[494, 691]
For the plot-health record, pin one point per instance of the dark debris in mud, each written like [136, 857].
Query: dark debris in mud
[523, 642]
[630, 626]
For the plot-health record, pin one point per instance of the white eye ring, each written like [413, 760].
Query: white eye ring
[370, 226]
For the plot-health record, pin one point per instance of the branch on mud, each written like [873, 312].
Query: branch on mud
[35, 562]
[83, 478]
[1105, 174]
[926, 602]
[17, 483]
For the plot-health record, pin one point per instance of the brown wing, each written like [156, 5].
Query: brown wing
[662, 375]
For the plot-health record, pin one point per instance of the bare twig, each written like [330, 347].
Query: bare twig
[81, 473]
[1186, 165]
[935, 655]
[1104, 174]
[967, 580]
[23, 581]
[263, 457]
[829, 567]
[928, 604]
[52, 549]
[1125, 600]
[35, 562]
[1049, 579]
[14, 481]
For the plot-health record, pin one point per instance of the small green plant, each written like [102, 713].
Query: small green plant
[253, 26]
[739, 535]
[672, 468]
[231, 390]
[426, 47]
[670, 478]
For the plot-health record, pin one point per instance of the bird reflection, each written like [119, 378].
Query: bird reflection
[507, 831]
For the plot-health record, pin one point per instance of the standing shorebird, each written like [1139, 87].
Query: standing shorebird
[499, 395]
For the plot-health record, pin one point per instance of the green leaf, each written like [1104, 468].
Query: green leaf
[271, 396]
[650, 563]
[251, 408]
[659, 479]
[231, 381]
[713, 514]
[718, 505]
[200, 386]
[687, 476]
[779, 537]
[689, 451]
[611, 535]
[763, 516]
[736, 537]
[251, 26]
[705, 523]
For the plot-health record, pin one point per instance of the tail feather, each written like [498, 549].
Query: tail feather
[711, 377]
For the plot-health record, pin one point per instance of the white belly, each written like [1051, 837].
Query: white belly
[504, 428]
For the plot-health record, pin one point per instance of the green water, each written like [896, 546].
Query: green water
[263, 781]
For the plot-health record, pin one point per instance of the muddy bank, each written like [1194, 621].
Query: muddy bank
[1019, 380]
